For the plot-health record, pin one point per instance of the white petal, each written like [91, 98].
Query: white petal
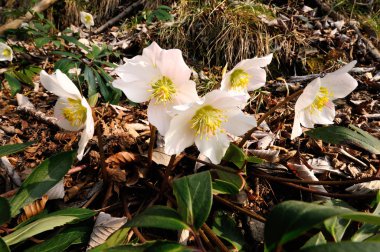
[60, 85]
[308, 96]
[180, 135]
[62, 122]
[257, 78]
[88, 131]
[186, 93]
[255, 62]
[238, 123]
[213, 147]
[340, 85]
[221, 100]
[158, 117]
[326, 116]
[138, 68]
[171, 64]
[136, 91]
[346, 68]
[4, 47]
[297, 130]
[152, 52]
[225, 85]
[306, 119]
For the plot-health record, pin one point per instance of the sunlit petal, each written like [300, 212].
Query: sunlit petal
[213, 147]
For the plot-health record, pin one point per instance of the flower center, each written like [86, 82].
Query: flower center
[87, 19]
[207, 121]
[163, 90]
[75, 112]
[7, 52]
[239, 79]
[321, 99]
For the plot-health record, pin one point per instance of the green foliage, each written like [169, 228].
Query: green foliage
[3, 246]
[44, 177]
[235, 155]
[225, 227]
[344, 247]
[341, 135]
[116, 239]
[162, 13]
[13, 148]
[5, 211]
[151, 246]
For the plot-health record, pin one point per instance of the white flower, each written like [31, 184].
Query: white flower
[247, 75]
[86, 19]
[206, 124]
[315, 105]
[6, 52]
[72, 110]
[159, 76]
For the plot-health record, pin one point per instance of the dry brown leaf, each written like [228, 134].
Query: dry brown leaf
[33, 209]
[121, 157]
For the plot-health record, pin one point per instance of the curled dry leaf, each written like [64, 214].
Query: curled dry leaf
[104, 226]
[33, 209]
[364, 188]
[121, 169]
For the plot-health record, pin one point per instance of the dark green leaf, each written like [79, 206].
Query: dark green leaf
[3, 246]
[65, 65]
[225, 227]
[235, 179]
[40, 42]
[315, 240]
[75, 42]
[5, 211]
[194, 198]
[103, 87]
[119, 237]
[223, 187]
[63, 240]
[151, 246]
[345, 247]
[90, 79]
[341, 135]
[235, 155]
[44, 177]
[367, 230]
[158, 217]
[13, 148]
[13, 82]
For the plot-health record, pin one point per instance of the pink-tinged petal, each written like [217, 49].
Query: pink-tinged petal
[257, 78]
[186, 93]
[326, 116]
[297, 130]
[306, 119]
[238, 123]
[62, 122]
[88, 131]
[221, 100]
[345, 69]
[171, 64]
[213, 147]
[339, 85]
[308, 96]
[60, 85]
[180, 135]
[136, 91]
[152, 52]
[158, 117]
[255, 62]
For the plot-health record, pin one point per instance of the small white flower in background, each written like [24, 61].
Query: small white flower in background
[315, 105]
[247, 75]
[71, 110]
[87, 19]
[161, 77]
[206, 124]
[6, 52]
[75, 71]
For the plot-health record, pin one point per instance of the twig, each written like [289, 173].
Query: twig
[40, 116]
[129, 216]
[271, 111]
[118, 17]
[214, 238]
[91, 199]
[198, 241]
[206, 241]
[218, 167]
[240, 209]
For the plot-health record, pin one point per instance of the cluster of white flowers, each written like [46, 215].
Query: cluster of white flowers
[162, 78]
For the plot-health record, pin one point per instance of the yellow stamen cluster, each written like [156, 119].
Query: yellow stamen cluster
[321, 99]
[163, 90]
[75, 112]
[207, 121]
[239, 79]
[87, 18]
[7, 52]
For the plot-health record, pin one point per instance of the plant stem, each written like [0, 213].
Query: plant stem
[129, 216]
[271, 111]
[151, 143]
[198, 240]
[214, 238]
[218, 167]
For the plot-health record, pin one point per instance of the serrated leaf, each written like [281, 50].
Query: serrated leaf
[5, 211]
[63, 240]
[194, 198]
[344, 247]
[13, 148]
[158, 217]
[44, 177]
[342, 135]
[48, 222]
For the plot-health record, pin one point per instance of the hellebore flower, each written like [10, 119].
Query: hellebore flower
[315, 105]
[206, 124]
[247, 75]
[72, 110]
[6, 52]
[159, 76]
[87, 19]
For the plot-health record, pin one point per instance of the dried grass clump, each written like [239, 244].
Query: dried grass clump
[72, 9]
[104, 8]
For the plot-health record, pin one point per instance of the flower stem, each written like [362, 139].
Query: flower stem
[214, 238]
[265, 116]
[152, 141]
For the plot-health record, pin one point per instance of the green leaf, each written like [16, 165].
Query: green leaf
[158, 217]
[151, 246]
[225, 227]
[92, 100]
[90, 79]
[290, 219]
[5, 211]
[223, 187]
[103, 87]
[194, 198]
[68, 54]
[367, 230]
[3, 246]
[13, 82]
[75, 42]
[65, 65]
[234, 179]
[40, 42]
[44, 177]
[49, 222]
[63, 240]
[336, 226]
[341, 135]
[235, 155]
[119, 237]
[315, 240]
[344, 247]
[13, 148]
